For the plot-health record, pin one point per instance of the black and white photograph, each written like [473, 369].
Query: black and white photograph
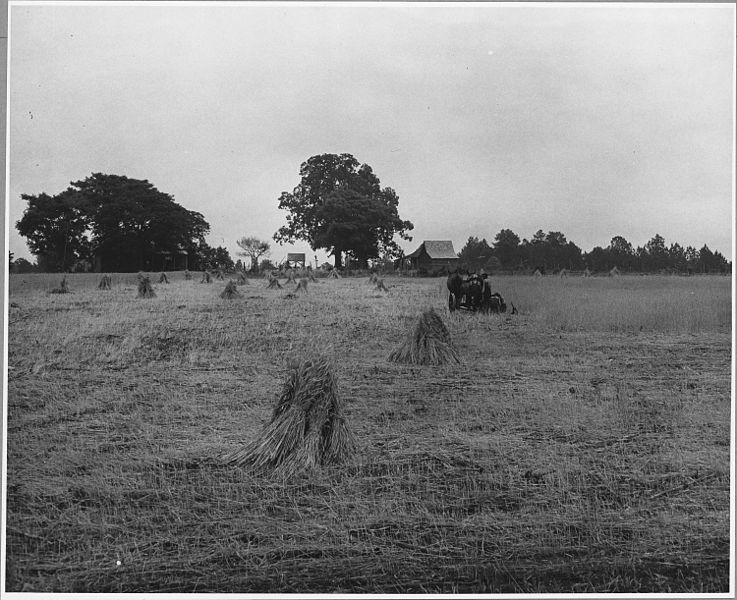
[369, 298]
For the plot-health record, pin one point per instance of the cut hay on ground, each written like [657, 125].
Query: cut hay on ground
[334, 274]
[219, 275]
[242, 279]
[205, 277]
[145, 290]
[380, 285]
[163, 278]
[106, 283]
[301, 285]
[273, 283]
[187, 275]
[427, 344]
[311, 276]
[307, 427]
[373, 279]
[230, 292]
[290, 277]
[62, 289]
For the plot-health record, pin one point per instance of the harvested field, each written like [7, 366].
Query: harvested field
[580, 446]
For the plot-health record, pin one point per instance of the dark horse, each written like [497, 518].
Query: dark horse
[466, 292]
[496, 304]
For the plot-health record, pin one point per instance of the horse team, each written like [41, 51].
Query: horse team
[473, 293]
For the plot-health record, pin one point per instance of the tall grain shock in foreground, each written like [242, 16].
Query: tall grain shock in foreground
[428, 343]
[307, 427]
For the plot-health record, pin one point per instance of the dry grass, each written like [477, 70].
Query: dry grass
[621, 304]
[428, 343]
[106, 283]
[302, 285]
[570, 451]
[63, 287]
[307, 427]
[145, 289]
[231, 291]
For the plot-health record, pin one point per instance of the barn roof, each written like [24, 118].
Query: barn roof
[296, 256]
[435, 249]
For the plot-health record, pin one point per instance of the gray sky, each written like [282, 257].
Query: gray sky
[593, 120]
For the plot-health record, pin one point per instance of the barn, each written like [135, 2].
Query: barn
[433, 255]
[295, 259]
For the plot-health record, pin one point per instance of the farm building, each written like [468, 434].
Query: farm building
[162, 260]
[172, 261]
[295, 259]
[433, 255]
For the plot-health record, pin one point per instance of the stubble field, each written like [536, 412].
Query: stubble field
[582, 445]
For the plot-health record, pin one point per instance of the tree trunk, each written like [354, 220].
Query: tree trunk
[338, 254]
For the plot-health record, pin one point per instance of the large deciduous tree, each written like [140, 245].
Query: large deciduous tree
[339, 205]
[57, 229]
[253, 248]
[123, 222]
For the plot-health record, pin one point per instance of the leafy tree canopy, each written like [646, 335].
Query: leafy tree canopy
[476, 254]
[57, 229]
[254, 248]
[339, 205]
[21, 265]
[621, 246]
[214, 258]
[507, 248]
[125, 222]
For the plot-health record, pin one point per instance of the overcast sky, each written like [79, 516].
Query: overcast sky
[593, 120]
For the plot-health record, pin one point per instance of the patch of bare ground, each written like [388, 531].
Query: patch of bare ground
[549, 461]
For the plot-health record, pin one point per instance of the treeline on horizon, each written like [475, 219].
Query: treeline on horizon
[551, 252]
[116, 224]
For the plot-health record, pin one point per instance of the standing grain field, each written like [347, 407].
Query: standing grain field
[580, 446]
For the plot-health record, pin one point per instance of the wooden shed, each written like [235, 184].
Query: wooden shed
[433, 255]
[295, 259]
